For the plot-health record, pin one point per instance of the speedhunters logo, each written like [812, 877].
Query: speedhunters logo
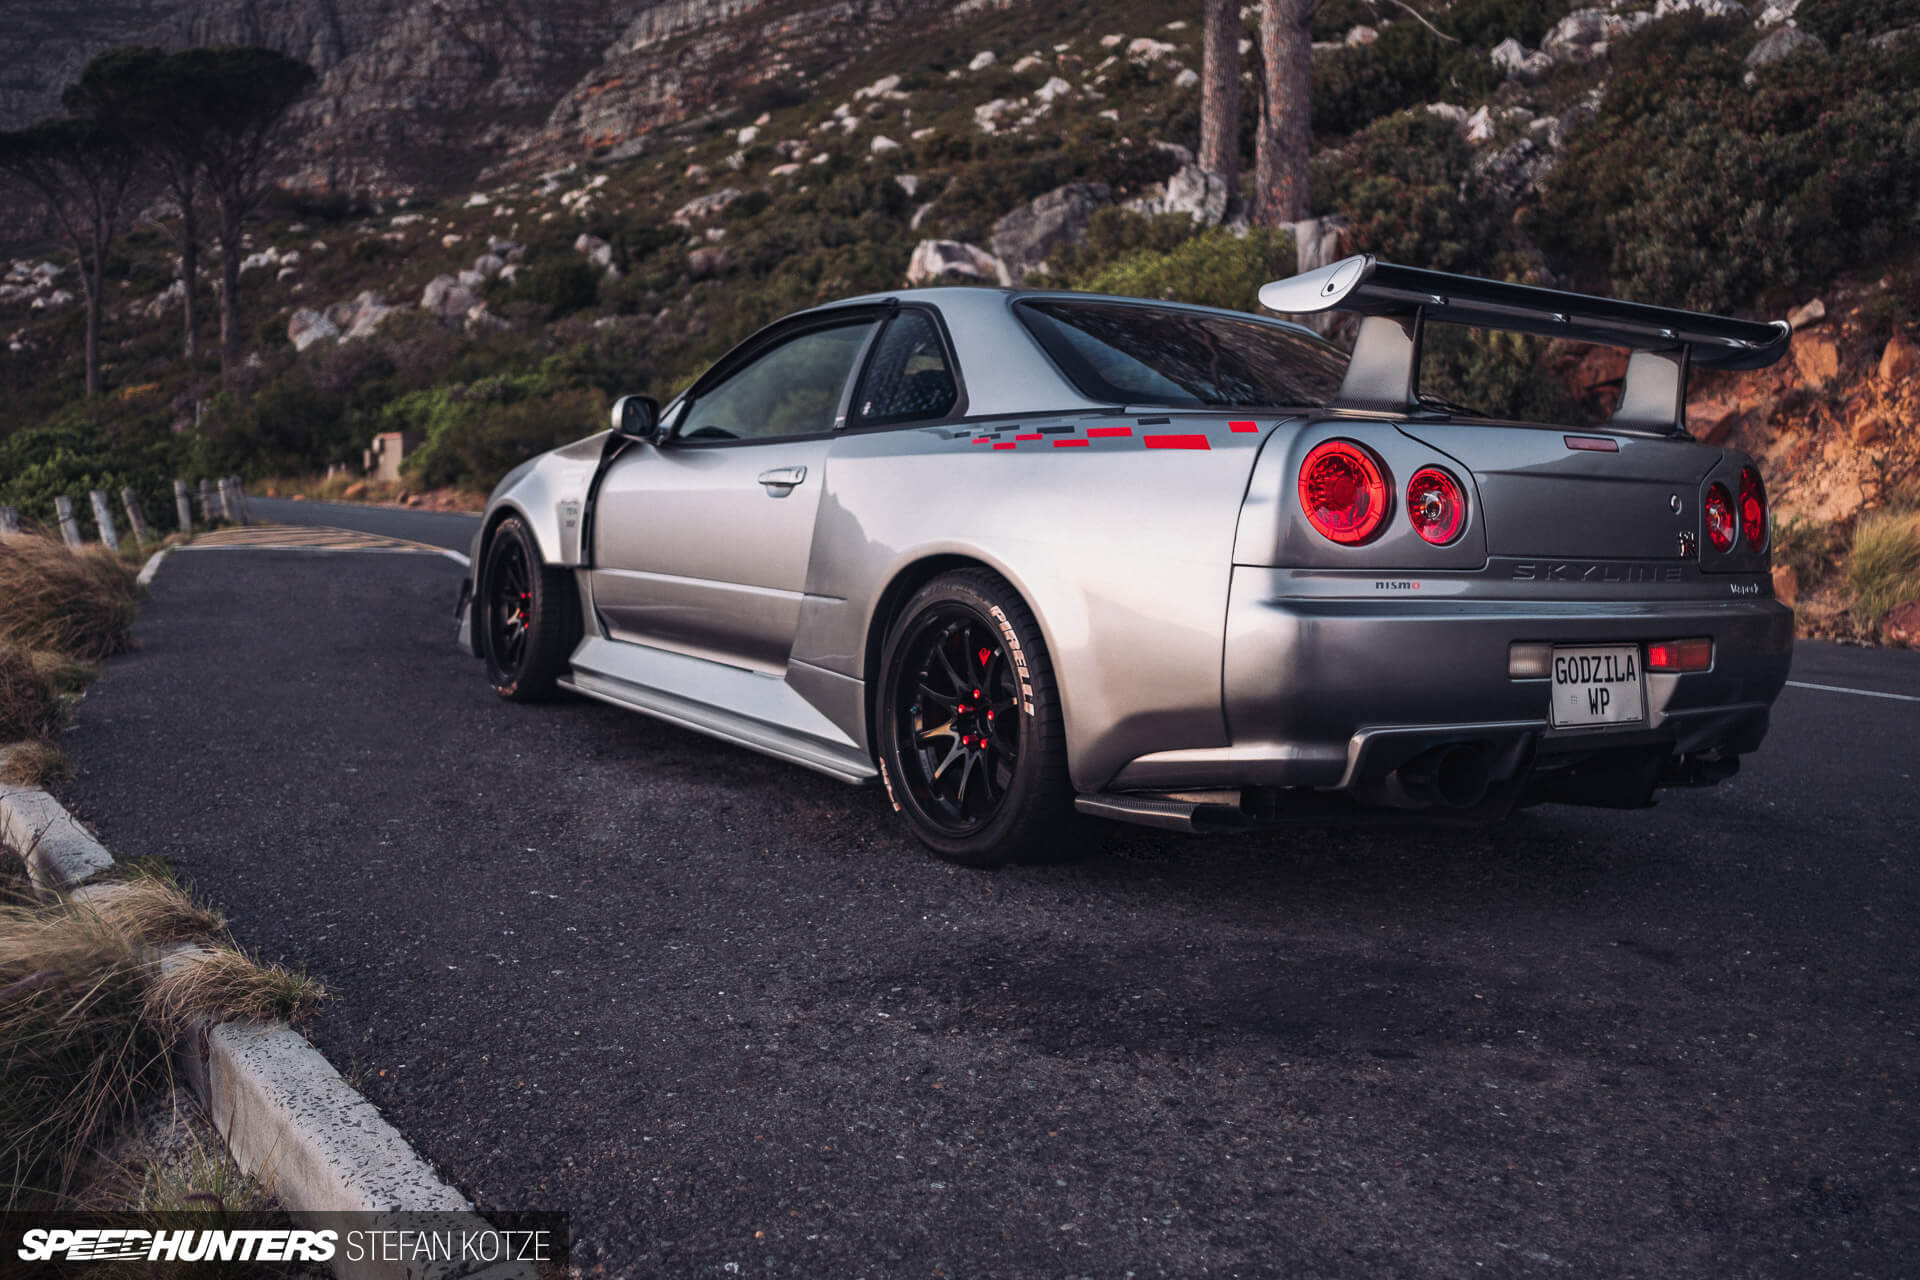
[530, 1245]
[110, 1244]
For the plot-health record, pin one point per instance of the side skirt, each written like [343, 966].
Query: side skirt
[748, 708]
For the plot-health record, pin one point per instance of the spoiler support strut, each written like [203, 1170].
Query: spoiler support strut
[1396, 303]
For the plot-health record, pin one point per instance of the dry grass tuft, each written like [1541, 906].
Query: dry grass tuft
[153, 911]
[79, 603]
[1884, 568]
[30, 706]
[35, 764]
[75, 1054]
[66, 675]
[87, 1017]
[224, 985]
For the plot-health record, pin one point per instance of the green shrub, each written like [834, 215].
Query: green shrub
[288, 425]
[107, 443]
[474, 433]
[1692, 189]
[1215, 269]
[1494, 373]
[1409, 65]
[561, 284]
[373, 249]
[1835, 20]
[1114, 233]
[1400, 186]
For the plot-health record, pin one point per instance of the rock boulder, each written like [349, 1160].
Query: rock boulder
[308, 327]
[1199, 193]
[1026, 237]
[1901, 626]
[951, 261]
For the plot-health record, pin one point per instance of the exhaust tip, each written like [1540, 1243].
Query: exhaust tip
[1450, 777]
[1460, 777]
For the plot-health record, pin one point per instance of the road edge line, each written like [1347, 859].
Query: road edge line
[1859, 693]
[288, 1117]
[151, 567]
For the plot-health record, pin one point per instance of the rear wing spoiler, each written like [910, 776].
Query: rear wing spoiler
[1397, 301]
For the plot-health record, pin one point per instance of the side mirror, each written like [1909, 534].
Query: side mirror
[637, 418]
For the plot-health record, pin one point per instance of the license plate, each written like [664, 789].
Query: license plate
[1597, 685]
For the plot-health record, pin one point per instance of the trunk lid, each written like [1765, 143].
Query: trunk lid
[1542, 496]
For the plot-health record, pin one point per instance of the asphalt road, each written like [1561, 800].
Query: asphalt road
[453, 530]
[724, 1013]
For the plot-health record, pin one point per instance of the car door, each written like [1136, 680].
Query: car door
[701, 543]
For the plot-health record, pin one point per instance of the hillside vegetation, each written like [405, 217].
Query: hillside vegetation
[1693, 152]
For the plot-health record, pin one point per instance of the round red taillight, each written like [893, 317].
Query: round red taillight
[1753, 508]
[1436, 505]
[1343, 490]
[1719, 512]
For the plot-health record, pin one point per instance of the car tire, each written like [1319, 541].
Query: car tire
[527, 642]
[966, 685]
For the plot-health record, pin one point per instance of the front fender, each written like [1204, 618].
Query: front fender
[549, 493]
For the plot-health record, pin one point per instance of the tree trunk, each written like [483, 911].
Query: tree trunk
[229, 236]
[1286, 117]
[1220, 93]
[190, 272]
[92, 281]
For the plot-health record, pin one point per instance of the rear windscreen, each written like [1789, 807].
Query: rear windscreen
[1138, 353]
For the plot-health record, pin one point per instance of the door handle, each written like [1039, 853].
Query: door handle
[780, 480]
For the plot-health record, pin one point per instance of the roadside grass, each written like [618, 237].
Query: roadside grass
[89, 1016]
[171, 1171]
[31, 707]
[1883, 569]
[76, 603]
[333, 488]
[224, 984]
[61, 611]
[76, 1055]
[347, 488]
[1805, 547]
[154, 911]
[35, 764]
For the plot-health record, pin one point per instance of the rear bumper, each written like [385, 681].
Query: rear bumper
[1339, 693]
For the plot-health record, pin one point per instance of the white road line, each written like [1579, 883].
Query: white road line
[461, 556]
[151, 567]
[1865, 693]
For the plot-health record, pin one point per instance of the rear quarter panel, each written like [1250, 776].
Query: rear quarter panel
[1117, 530]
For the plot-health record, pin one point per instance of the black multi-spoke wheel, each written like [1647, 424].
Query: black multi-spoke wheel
[528, 615]
[510, 604]
[969, 723]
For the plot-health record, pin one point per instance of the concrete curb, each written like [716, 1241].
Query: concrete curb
[57, 850]
[289, 1119]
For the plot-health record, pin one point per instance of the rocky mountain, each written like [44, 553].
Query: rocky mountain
[421, 95]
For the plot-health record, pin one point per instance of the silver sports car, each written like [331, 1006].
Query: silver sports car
[1017, 554]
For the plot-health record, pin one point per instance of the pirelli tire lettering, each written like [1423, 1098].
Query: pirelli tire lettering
[1018, 655]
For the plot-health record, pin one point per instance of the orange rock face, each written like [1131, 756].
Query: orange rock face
[1900, 362]
[1817, 358]
[1901, 626]
[1786, 584]
[1712, 420]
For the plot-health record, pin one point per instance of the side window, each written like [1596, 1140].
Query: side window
[792, 390]
[908, 378]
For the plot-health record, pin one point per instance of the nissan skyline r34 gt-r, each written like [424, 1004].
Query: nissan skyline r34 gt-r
[1017, 554]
